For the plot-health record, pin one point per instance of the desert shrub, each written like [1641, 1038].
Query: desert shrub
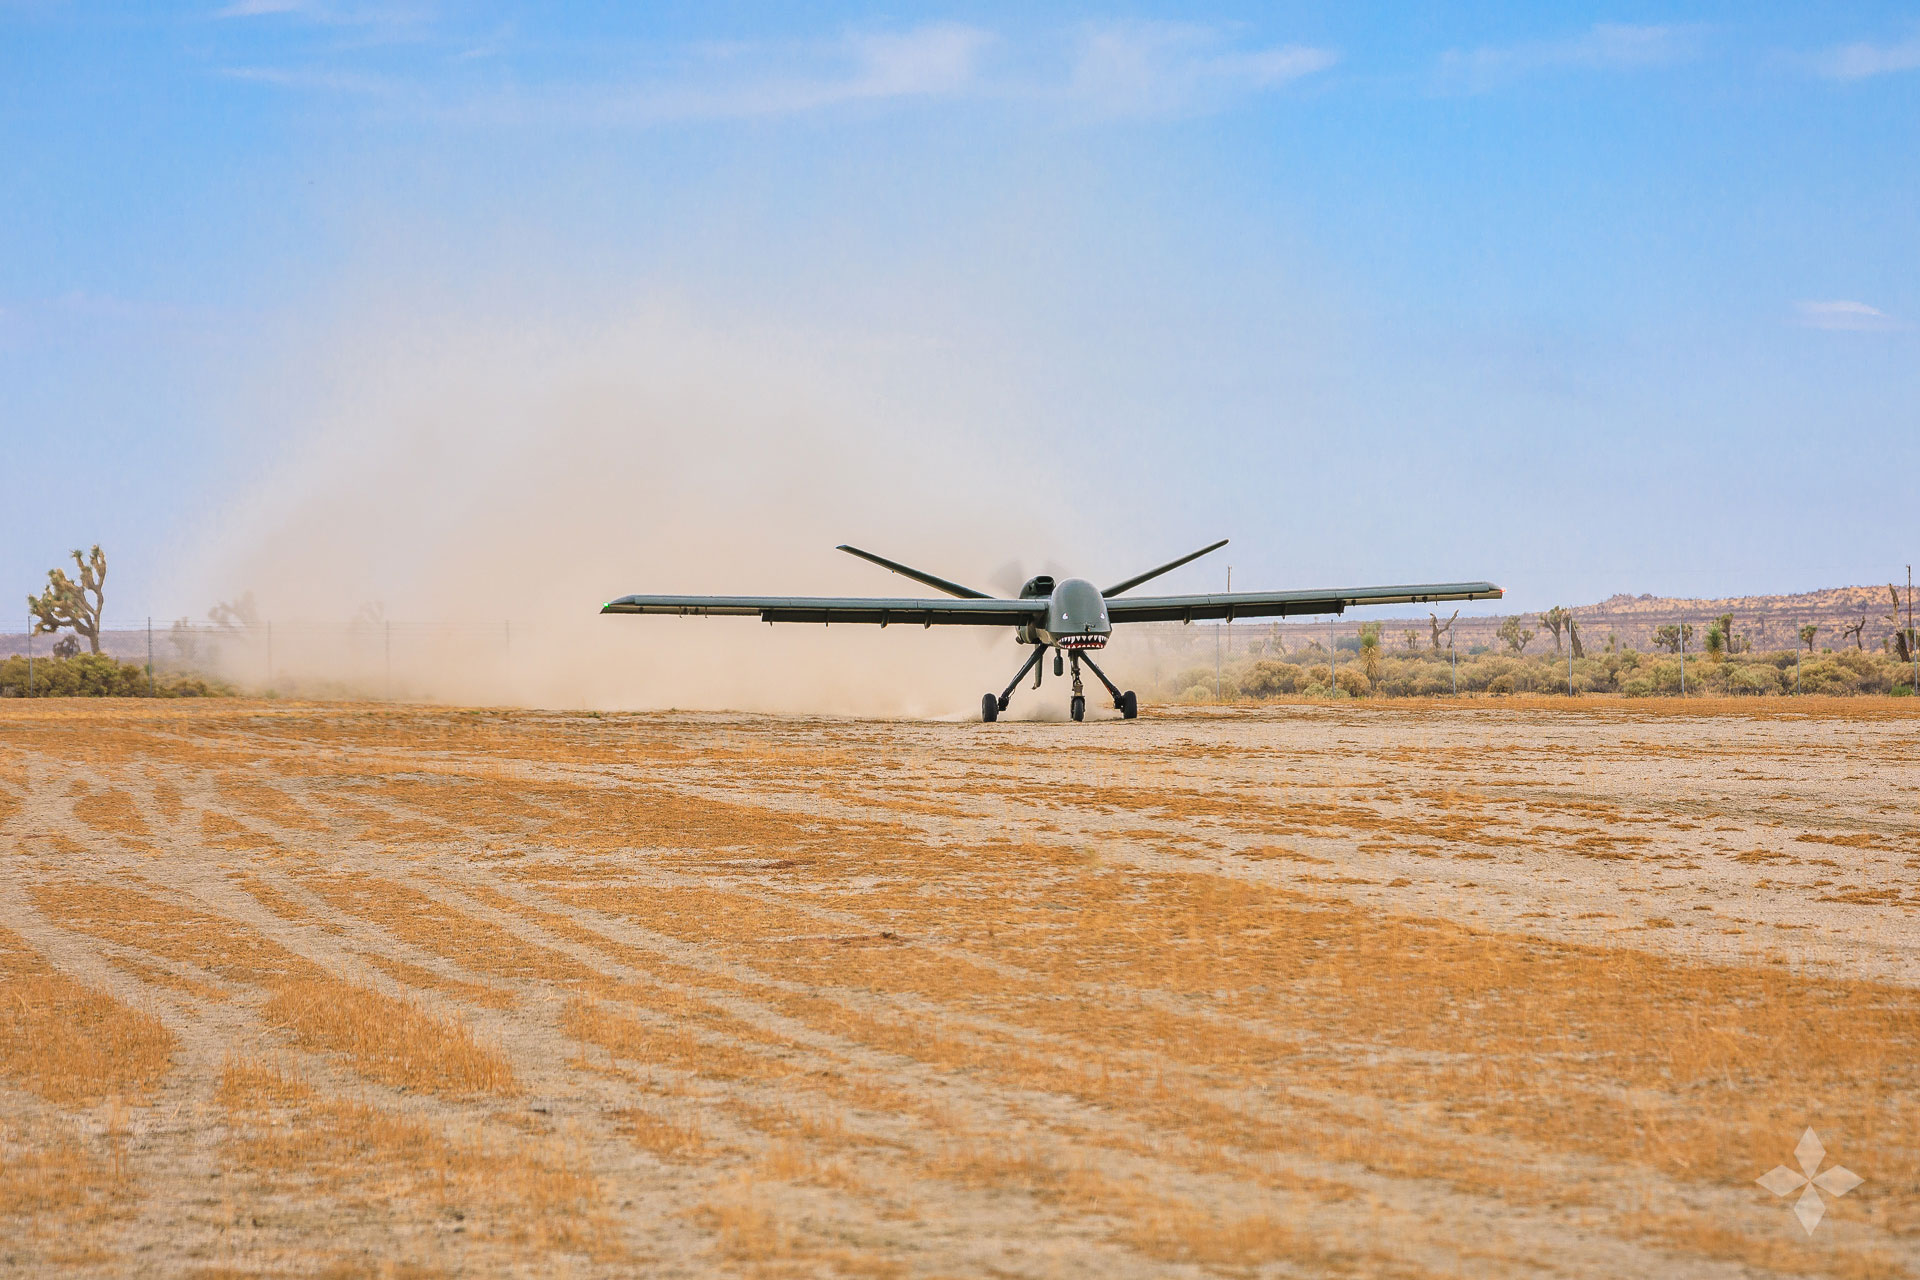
[1192, 676]
[1265, 679]
[1753, 677]
[95, 675]
[1400, 674]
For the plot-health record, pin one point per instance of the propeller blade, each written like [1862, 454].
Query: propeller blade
[938, 584]
[1151, 574]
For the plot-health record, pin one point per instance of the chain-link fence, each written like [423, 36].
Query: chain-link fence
[1634, 647]
[383, 659]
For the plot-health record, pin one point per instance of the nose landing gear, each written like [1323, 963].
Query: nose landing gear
[1125, 703]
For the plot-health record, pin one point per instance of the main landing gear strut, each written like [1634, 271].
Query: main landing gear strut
[1125, 703]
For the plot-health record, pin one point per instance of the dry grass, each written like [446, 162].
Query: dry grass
[1318, 991]
[110, 810]
[60, 1197]
[425, 979]
[679, 1138]
[524, 1194]
[388, 1040]
[67, 1042]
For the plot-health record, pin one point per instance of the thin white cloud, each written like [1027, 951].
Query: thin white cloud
[1860, 60]
[744, 82]
[1166, 68]
[376, 24]
[1844, 316]
[1126, 69]
[259, 8]
[1605, 46]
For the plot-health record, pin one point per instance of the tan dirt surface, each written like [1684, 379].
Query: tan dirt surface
[1483, 988]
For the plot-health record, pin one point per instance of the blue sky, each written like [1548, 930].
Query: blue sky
[1580, 299]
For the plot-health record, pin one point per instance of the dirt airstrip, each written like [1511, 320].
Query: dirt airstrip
[1487, 988]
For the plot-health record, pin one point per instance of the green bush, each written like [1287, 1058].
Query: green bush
[1265, 679]
[95, 675]
[1401, 674]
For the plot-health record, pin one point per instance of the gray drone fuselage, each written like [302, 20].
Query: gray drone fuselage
[1076, 615]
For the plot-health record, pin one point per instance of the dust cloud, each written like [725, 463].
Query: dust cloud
[446, 521]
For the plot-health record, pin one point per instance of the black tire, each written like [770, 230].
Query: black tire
[1129, 706]
[1078, 708]
[989, 709]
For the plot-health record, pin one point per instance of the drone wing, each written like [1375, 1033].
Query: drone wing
[1279, 604]
[880, 610]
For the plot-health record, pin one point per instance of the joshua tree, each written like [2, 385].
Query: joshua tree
[1370, 650]
[1672, 636]
[65, 603]
[1442, 629]
[1573, 638]
[1854, 630]
[1515, 635]
[1807, 633]
[1722, 641]
[1411, 639]
[236, 614]
[1901, 643]
[1555, 621]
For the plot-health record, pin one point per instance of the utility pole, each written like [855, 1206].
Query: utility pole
[1333, 655]
[1569, 662]
[1216, 646]
[29, 655]
[1796, 661]
[1913, 650]
[1454, 657]
[1683, 657]
[149, 657]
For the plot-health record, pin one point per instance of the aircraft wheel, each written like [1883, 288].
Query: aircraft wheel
[989, 709]
[1078, 708]
[1129, 706]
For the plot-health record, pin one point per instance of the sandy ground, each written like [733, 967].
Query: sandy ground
[1487, 988]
